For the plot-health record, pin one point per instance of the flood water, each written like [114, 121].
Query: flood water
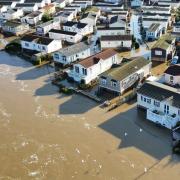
[46, 135]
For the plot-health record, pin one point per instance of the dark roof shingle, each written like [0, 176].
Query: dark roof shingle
[161, 92]
[173, 70]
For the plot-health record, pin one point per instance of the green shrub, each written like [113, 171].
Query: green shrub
[66, 90]
[136, 45]
[70, 79]
[178, 14]
[13, 47]
[46, 17]
[84, 86]
[42, 58]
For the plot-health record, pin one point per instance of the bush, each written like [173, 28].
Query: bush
[85, 38]
[84, 86]
[13, 47]
[42, 58]
[133, 39]
[178, 14]
[66, 90]
[46, 17]
[136, 45]
[70, 79]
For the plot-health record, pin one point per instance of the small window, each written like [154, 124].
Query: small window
[27, 44]
[103, 81]
[171, 78]
[156, 103]
[113, 83]
[76, 69]
[166, 109]
[158, 53]
[121, 43]
[149, 101]
[84, 71]
[56, 56]
[64, 58]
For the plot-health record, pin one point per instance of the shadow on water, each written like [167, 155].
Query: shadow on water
[77, 104]
[35, 73]
[72, 104]
[134, 131]
[31, 72]
[12, 60]
[47, 89]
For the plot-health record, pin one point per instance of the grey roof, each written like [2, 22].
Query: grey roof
[63, 13]
[13, 23]
[155, 19]
[46, 23]
[153, 27]
[88, 15]
[70, 23]
[155, 14]
[34, 14]
[76, 48]
[38, 39]
[75, 6]
[63, 32]
[124, 37]
[6, 3]
[164, 42]
[33, 1]
[161, 92]
[121, 72]
[10, 11]
[25, 5]
[173, 70]
[156, 8]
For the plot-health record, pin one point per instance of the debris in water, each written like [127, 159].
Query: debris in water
[34, 173]
[78, 151]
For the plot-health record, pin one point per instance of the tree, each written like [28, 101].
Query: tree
[178, 14]
[136, 45]
[46, 17]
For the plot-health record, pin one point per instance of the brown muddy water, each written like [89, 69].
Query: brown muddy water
[46, 135]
